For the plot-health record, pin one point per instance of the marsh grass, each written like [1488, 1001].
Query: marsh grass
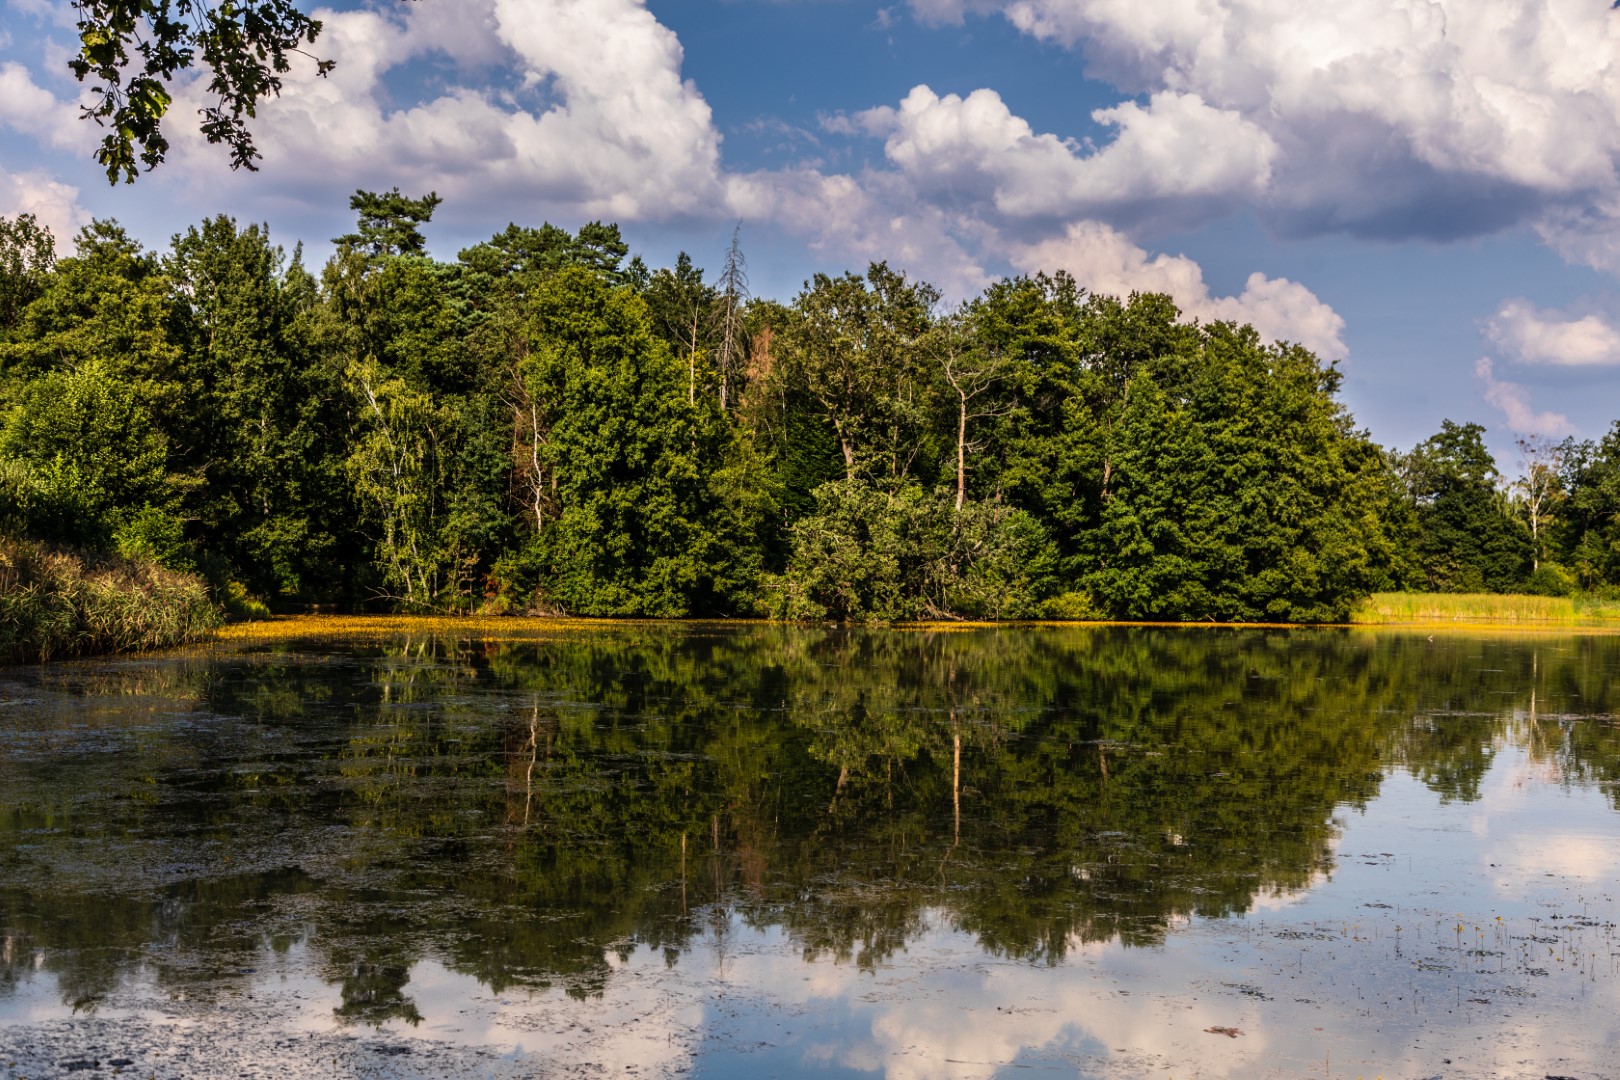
[1399, 608]
[56, 604]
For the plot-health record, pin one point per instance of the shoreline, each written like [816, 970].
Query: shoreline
[287, 627]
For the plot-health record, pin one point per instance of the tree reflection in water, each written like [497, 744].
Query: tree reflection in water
[530, 811]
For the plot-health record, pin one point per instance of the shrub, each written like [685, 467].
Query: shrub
[872, 555]
[57, 604]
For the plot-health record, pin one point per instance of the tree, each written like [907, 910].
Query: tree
[637, 529]
[389, 223]
[428, 452]
[970, 371]
[870, 554]
[27, 257]
[131, 50]
[91, 462]
[852, 344]
[1241, 491]
[732, 297]
[111, 303]
[1467, 537]
[269, 500]
[684, 308]
[396, 465]
[1589, 527]
[1540, 486]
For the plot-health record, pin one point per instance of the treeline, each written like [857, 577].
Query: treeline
[545, 424]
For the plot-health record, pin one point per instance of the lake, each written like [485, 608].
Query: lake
[737, 851]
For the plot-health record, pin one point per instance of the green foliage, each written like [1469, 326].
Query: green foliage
[55, 604]
[27, 256]
[852, 346]
[131, 50]
[1469, 538]
[526, 253]
[110, 303]
[272, 488]
[1239, 491]
[1588, 534]
[869, 554]
[84, 462]
[627, 514]
[388, 223]
[545, 425]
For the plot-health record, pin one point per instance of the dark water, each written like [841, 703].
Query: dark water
[648, 851]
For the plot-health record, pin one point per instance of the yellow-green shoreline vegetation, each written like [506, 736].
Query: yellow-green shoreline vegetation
[56, 604]
[472, 627]
[1379, 613]
[1395, 609]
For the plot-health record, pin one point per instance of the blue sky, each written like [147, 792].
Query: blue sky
[1426, 192]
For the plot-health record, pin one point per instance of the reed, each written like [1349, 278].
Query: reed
[1402, 608]
[56, 604]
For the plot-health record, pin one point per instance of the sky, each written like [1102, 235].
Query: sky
[1424, 191]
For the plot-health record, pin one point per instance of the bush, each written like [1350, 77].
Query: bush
[869, 555]
[57, 604]
[1550, 579]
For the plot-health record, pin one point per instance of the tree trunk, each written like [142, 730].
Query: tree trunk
[961, 453]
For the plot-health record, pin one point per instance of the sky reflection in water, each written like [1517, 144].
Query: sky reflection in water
[751, 850]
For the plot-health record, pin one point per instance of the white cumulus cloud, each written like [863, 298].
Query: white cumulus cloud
[602, 124]
[31, 109]
[1513, 402]
[54, 203]
[1105, 261]
[1440, 118]
[1532, 335]
[872, 217]
[1173, 157]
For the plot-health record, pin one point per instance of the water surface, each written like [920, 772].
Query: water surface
[752, 850]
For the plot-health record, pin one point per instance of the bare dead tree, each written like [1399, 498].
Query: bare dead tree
[733, 289]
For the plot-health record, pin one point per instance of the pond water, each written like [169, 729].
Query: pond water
[745, 851]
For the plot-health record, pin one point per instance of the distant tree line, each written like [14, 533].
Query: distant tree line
[546, 424]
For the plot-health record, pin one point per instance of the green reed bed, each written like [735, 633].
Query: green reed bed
[55, 604]
[1388, 608]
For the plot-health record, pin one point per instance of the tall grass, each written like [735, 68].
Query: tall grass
[1387, 608]
[55, 604]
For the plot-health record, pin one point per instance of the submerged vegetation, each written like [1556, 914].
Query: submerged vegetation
[546, 425]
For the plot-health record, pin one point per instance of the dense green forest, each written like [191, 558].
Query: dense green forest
[546, 424]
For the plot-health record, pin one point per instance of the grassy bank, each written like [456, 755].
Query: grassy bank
[55, 604]
[1398, 608]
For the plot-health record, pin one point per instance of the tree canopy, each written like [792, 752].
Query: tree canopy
[545, 424]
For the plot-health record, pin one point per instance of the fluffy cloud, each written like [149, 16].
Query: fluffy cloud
[1531, 335]
[31, 109]
[1438, 119]
[1173, 157]
[1105, 261]
[54, 203]
[872, 217]
[601, 122]
[1513, 401]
